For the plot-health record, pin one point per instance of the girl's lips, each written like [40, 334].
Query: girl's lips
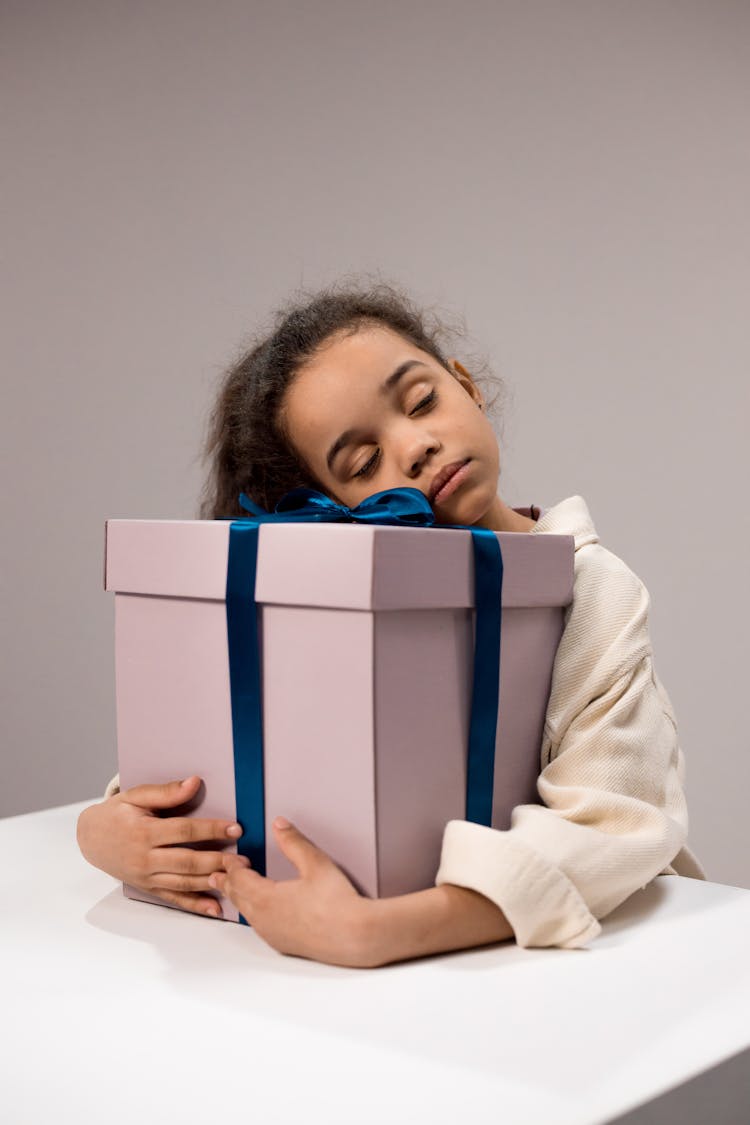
[452, 483]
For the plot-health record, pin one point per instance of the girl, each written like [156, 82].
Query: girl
[351, 393]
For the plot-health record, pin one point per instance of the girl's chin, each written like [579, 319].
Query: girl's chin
[464, 515]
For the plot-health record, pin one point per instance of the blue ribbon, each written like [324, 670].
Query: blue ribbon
[403, 507]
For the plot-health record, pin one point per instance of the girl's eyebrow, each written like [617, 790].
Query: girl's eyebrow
[384, 389]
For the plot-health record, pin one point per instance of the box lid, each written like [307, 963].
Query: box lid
[336, 565]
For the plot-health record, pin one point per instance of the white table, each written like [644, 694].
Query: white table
[118, 1011]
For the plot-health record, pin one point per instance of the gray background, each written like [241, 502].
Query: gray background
[573, 178]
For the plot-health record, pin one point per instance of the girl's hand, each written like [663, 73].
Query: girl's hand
[320, 915]
[124, 837]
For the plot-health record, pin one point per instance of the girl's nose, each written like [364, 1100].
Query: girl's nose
[417, 452]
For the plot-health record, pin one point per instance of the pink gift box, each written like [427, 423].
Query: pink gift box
[366, 639]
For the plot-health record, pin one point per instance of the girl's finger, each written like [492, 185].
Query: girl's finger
[242, 881]
[161, 796]
[169, 881]
[190, 861]
[191, 830]
[196, 903]
[229, 860]
[303, 853]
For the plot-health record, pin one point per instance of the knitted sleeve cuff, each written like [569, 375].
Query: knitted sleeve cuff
[113, 787]
[540, 902]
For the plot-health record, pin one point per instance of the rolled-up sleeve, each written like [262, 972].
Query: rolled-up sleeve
[113, 786]
[614, 813]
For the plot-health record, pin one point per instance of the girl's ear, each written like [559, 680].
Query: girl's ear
[466, 381]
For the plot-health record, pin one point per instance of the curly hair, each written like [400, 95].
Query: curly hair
[247, 447]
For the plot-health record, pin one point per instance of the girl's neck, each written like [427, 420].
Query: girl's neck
[499, 517]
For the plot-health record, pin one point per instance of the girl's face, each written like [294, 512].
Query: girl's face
[372, 411]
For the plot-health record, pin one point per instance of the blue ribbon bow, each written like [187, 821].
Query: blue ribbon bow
[404, 507]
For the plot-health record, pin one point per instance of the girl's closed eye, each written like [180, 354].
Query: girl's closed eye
[369, 467]
[427, 400]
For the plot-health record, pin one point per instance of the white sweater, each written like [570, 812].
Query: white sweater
[612, 771]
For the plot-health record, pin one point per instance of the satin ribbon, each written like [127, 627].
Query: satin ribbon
[403, 507]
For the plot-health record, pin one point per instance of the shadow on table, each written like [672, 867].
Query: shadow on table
[655, 905]
[652, 971]
[188, 942]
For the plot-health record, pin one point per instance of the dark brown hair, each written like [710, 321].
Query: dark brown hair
[246, 446]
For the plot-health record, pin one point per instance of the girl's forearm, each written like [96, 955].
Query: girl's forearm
[435, 920]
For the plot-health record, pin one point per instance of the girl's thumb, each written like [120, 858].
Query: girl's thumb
[302, 852]
[164, 796]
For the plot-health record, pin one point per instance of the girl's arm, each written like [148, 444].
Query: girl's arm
[437, 920]
[321, 916]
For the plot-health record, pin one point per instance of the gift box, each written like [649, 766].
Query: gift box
[365, 652]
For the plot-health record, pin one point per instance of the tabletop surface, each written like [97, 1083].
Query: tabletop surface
[119, 1008]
